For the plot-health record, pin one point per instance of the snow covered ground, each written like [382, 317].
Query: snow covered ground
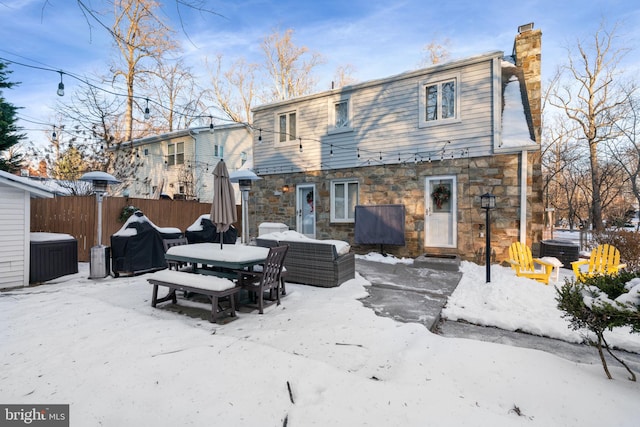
[321, 358]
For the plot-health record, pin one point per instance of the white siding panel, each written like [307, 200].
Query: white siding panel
[13, 223]
[385, 119]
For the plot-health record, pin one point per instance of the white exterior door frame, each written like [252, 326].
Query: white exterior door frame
[441, 219]
[306, 210]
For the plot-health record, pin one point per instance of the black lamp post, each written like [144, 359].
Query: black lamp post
[488, 202]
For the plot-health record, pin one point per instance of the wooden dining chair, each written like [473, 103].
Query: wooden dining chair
[169, 243]
[267, 281]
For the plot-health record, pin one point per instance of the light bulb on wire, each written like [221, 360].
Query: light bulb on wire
[60, 86]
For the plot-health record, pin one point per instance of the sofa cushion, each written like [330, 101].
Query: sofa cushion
[341, 247]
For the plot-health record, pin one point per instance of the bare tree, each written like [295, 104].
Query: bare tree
[343, 76]
[176, 96]
[435, 52]
[626, 149]
[588, 97]
[289, 73]
[234, 89]
[290, 67]
[140, 36]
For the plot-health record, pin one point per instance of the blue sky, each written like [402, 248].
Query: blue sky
[377, 38]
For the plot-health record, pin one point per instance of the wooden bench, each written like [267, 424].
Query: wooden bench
[212, 286]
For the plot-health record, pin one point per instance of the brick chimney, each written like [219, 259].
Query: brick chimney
[527, 52]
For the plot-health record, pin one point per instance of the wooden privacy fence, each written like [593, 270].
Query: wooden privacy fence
[78, 216]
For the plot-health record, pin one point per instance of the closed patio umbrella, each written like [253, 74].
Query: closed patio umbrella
[223, 208]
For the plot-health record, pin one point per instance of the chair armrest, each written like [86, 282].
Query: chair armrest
[541, 262]
[548, 267]
[580, 262]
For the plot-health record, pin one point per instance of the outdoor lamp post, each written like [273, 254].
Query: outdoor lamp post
[488, 202]
[244, 178]
[99, 264]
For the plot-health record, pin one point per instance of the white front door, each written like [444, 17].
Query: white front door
[440, 216]
[305, 210]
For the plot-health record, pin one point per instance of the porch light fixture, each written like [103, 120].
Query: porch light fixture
[488, 202]
[210, 124]
[285, 188]
[60, 86]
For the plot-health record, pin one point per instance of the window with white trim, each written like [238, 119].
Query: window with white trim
[340, 114]
[344, 198]
[439, 100]
[175, 154]
[286, 126]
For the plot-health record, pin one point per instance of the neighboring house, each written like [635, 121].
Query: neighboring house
[15, 227]
[433, 140]
[180, 164]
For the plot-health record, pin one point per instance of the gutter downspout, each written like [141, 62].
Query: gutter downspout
[523, 196]
[195, 161]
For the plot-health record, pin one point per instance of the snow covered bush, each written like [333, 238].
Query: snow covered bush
[126, 212]
[602, 303]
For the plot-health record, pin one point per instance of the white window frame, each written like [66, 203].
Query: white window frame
[438, 81]
[177, 157]
[345, 183]
[332, 125]
[218, 151]
[289, 137]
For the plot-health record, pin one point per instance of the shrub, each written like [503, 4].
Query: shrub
[627, 242]
[602, 303]
[126, 212]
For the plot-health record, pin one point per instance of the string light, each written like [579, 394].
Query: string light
[444, 153]
[60, 86]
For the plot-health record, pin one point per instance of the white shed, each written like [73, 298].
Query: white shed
[15, 222]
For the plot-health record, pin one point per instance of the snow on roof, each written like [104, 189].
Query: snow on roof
[36, 189]
[516, 132]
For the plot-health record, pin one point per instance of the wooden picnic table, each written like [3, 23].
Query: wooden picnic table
[210, 258]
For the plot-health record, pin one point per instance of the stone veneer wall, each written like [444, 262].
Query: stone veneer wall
[527, 50]
[404, 184]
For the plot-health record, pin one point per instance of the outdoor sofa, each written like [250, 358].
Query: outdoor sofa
[324, 263]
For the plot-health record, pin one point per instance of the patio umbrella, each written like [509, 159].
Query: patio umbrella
[223, 208]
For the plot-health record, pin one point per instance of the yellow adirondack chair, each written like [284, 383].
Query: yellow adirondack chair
[604, 259]
[524, 264]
